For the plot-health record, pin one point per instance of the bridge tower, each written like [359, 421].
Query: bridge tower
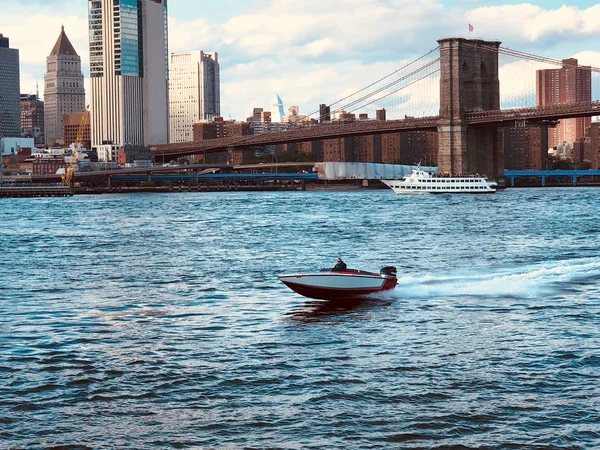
[468, 82]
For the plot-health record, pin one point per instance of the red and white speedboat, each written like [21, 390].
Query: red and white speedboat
[334, 285]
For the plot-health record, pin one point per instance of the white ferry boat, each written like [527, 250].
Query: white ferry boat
[424, 182]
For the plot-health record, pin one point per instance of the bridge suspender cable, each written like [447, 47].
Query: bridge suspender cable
[398, 90]
[524, 55]
[377, 82]
[413, 73]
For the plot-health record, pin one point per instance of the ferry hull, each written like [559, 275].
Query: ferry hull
[405, 192]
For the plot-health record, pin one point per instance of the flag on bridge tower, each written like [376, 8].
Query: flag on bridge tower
[471, 28]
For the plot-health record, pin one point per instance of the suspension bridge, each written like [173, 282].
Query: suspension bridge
[454, 89]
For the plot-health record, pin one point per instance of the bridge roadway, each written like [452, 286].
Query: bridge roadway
[539, 113]
[300, 134]
[368, 127]
[188, 170]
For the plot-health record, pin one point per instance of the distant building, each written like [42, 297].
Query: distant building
[32, 118]
[64, 92]
[107, 153]
[294, 115]
[419, 146]
[194, 92]
[390, 148]
[10, 91]
[380, 114]
[279, 105]
[256, 115]
[339, 150]
[324, 113]
[12, 145]
[129, 72]
[524, 148]
[261, 122]
[587, 149]
[569, 84]
[312, 149]
[344, 116]
[72, 124]
[265, 117]
[369, 148]
[46, 163]
[135, 156]
[219, 128]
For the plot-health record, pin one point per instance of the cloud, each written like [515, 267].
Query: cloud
[527, 23]
[315, 52]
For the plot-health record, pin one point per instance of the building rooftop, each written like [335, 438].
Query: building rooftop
[63, 45]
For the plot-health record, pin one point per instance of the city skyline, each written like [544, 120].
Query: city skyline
[319, 55]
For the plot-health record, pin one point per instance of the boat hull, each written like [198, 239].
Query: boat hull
[338, 286]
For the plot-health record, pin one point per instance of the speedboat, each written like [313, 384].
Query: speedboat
[337, 285]
[425, 182]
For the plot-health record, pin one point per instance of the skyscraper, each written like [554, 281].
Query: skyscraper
[10, 90]
[129, 72]
[194, 92]
[569, 84]
[32, 117]
[64, 92]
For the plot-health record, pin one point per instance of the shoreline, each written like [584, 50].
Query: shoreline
[355, 185]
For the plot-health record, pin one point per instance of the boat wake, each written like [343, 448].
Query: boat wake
[527, 281]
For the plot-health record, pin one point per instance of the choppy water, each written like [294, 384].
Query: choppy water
[151, 321]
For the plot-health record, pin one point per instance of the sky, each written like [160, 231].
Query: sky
[314, 51]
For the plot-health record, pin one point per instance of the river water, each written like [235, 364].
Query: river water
[157, 320]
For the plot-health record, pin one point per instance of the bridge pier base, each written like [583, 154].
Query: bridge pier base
[465, 149]
[468, 82]
[452, 156]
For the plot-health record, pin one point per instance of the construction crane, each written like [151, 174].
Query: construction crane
[69, 175]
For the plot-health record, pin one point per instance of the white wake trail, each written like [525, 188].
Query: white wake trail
[528, 281]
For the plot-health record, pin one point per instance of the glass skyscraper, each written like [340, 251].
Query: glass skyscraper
[129, 72]
[10, 95]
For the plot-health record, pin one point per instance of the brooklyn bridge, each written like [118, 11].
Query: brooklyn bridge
[469, 114]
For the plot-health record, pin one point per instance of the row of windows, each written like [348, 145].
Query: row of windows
[441, 188]
[454, 180]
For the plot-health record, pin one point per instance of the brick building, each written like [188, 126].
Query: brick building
[525, 148]
[219, 128]
[46, 164]
[390, 148]
[418, 146]
[590, 146]
[71, 124]
[368, 148]
[569, 84]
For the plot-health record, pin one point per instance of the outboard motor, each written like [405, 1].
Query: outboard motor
[389, 270]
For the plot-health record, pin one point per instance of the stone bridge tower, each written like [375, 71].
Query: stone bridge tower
[468, 82]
